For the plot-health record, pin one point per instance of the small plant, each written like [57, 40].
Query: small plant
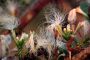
[67, 35]
[20, 45]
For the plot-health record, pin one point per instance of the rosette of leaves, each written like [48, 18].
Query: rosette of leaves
[66, 35]
[20, 44]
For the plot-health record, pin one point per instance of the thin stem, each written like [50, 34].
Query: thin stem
[13, 35]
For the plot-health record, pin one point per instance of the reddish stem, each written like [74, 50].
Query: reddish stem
[32, 12]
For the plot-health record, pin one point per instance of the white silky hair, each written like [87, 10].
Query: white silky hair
[86, 27]
[8, 22]
[11, 5]
[45, 37]
[5, 40]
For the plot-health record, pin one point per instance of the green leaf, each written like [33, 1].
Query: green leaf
[67, 35]
[20, 44]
